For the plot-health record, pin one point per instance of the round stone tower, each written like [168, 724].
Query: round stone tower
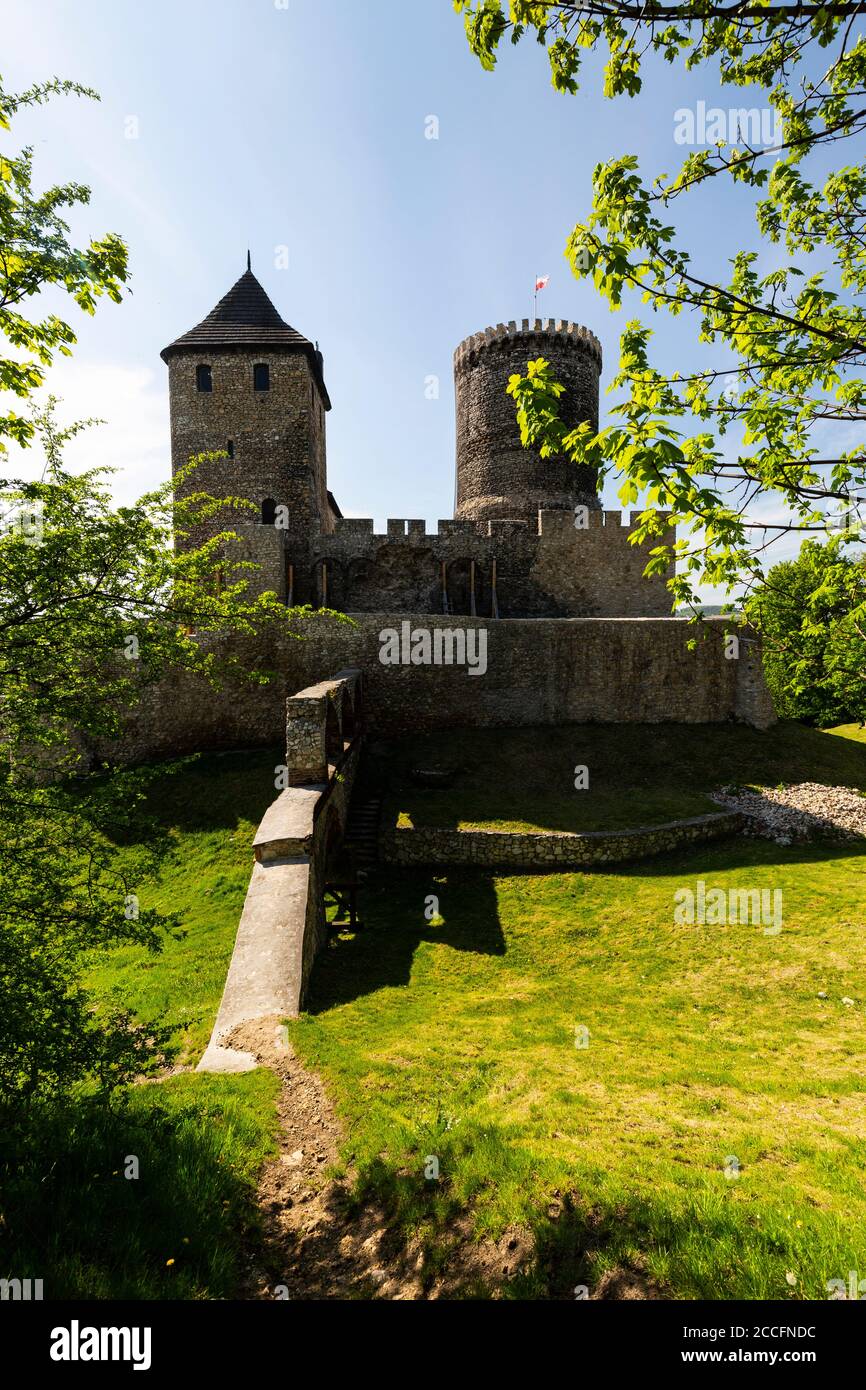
[496, 476]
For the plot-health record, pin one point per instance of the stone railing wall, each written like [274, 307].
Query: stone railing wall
[282, 927]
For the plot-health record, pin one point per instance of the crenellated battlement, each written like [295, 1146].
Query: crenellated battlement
[528, 537]
[505, 566]
[497, 478]
[596, 520]
[551, 522]
[566, 334]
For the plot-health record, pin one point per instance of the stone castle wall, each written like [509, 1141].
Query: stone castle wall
[557, 569]
[573, 631]
[513, 549]
[544, 671]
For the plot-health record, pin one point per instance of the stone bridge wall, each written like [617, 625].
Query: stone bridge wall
[283, 927]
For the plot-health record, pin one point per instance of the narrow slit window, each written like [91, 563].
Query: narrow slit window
[261, 377]
[203, 378]
[269, 512]
[231, 448]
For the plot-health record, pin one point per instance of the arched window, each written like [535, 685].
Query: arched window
[203, 379]
[261, 377]
[269, 512]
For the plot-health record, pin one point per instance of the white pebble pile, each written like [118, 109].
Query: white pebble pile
[799, 811]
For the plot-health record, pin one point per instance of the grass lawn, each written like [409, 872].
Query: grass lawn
[706, 1044]
[857, 732]
[212, 809]
[73, 1218]
[523, 779]
[68, 1213]
[458, 1041]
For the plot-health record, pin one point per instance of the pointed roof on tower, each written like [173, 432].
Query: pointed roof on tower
[246, 318]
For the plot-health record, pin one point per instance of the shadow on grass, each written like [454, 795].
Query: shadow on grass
[572, 1246]
[638, 774]
[140, 1200]
[740, 851]
[214, 791]
[380, 955]
[568, 1248]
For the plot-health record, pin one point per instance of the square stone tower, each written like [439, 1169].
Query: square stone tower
[246, 384]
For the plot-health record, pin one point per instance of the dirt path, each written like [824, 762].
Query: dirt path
[313, 1246]
[316, 1246]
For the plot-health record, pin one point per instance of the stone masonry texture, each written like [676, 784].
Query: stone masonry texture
[574, 632]
[543, 671]
[550, 849]
[496, 476]
[277, 436]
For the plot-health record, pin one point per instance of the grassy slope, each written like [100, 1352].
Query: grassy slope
[71, 1216]
[857, 732]
[702, 1044]
[212, 807]
[459, 1041]
[519, 779]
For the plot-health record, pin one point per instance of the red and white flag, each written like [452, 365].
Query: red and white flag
[541, 282]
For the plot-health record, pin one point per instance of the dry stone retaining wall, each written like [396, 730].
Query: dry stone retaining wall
[550, 849]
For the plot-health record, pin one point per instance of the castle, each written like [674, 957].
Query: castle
[530, 569]
[528, 538]
[544, 588]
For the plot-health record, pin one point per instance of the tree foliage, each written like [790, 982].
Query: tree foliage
[788, 344]
[812, 615]
[95, 603]
[36, 254]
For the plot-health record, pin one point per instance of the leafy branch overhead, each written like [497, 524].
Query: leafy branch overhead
[786, 347]
[35, 254]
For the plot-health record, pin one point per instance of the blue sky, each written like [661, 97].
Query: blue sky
[304, 127]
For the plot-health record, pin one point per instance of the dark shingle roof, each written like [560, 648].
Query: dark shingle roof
[246, 318]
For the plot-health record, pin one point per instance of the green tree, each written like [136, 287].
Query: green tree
[812, 615]
[35, 254]
[788, 345]
[95, 602]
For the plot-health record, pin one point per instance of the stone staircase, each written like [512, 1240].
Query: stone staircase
[362, 834]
